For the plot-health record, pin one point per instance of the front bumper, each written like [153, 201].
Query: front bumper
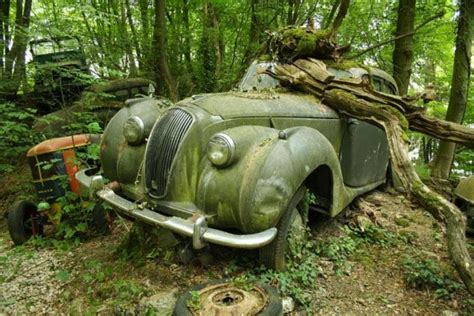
[195, 226]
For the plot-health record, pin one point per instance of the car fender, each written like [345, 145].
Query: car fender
[270, 166]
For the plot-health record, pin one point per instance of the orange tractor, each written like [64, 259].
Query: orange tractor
[54, 163]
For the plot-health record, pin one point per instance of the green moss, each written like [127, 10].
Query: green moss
[264, 58]
[305, 40]
[344, 64]
[401, 118]
[402, 221]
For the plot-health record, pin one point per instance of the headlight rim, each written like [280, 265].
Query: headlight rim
[141, 130]
[230, 145]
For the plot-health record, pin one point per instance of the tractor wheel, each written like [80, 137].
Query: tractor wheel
[223, 298]
[23, 221]
[273, 254]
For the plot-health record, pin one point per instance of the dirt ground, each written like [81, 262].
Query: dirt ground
[48, 276]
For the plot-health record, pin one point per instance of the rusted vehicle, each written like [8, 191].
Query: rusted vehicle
[60, 65]
[464, 199]
[233, 168]
[53, 165]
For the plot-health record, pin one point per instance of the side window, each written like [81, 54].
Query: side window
[377, 83]
[390, 88]
[383, 85]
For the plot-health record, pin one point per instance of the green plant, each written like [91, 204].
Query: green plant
[426, 274]
[15, 134]
[375, 235]
[338, 250]
[96, 272]
[126, 290]
[194, 302]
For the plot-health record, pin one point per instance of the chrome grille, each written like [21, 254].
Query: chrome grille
[162, 147]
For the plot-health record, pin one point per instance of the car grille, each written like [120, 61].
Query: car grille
[162, 147]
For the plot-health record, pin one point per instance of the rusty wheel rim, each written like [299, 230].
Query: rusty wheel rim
[227, 299]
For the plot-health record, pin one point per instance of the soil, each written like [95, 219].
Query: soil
[51, 276]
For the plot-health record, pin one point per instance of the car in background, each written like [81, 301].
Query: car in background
[61, 70]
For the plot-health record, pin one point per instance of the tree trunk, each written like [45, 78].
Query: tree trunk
[403, 51]
[341, 14]
[145, 38]
[187, 38]
[164, 79]
[4, 32]
[459, 86]
[255, 32]
[15, 58]
[125, 40]
[356, 99]
[133, 31]
[293, 11]
[328, 19]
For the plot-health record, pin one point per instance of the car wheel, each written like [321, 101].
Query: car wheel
[224, 298]
[23, 221]
[273, 255]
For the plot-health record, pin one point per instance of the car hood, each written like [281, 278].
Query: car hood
[262, 104]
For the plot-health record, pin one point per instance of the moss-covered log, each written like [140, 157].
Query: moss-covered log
[395, 116]
[295, 43]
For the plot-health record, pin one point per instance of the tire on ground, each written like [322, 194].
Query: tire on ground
[18, 215]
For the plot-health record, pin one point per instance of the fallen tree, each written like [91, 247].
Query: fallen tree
[356, 98]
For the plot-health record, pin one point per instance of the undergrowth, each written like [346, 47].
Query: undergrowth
[300, 280]
[426, 274]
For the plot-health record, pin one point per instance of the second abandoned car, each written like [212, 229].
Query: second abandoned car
[233, 168]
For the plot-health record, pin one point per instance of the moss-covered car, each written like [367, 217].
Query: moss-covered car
[464, 199]
[232, 168]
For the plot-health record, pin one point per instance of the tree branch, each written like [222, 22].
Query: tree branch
[393, 39]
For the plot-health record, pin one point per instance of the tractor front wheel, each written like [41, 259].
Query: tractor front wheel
[23, 221]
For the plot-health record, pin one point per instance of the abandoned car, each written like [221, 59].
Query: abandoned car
[233, 168]
[60, 65]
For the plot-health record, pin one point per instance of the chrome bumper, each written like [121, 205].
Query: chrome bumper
[195, 227]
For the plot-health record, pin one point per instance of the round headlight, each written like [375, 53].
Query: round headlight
[221, 150]
[134, 130]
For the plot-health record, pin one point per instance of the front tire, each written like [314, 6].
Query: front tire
[23, 221]
[273, 254]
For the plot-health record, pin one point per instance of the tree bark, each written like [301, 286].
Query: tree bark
[163, 75]
[4, 32]
[133, 31]
[328, 19]
[187, 38]
[403, 52]
[353, 98]
[145, 38]
[341, 14]
[459, 86]
[293, 11]
[15, 58]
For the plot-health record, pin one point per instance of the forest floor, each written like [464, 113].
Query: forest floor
[399, 267]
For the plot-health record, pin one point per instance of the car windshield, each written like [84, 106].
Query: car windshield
[54, 46]
[255, 78]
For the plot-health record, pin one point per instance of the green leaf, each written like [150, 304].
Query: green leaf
[63, 276]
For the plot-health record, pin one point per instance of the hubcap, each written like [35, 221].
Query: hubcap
[226, 300]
